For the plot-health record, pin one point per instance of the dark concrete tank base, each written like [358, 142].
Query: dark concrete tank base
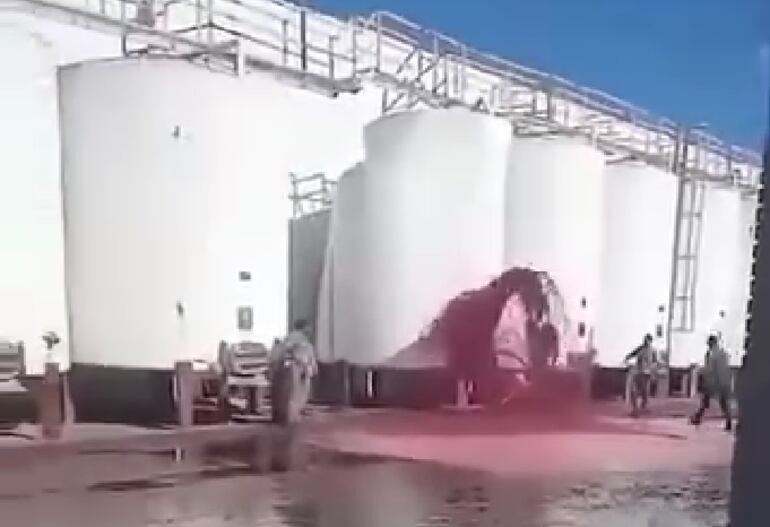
[121, 395]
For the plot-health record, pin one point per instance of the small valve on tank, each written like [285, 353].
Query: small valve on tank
[51, 339]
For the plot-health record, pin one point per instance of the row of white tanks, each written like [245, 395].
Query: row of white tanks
[446, 199]
[140, 231]
[174, 186]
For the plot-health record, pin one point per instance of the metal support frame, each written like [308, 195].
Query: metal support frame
[310, 194]
[691, 223]
[688, 228]
[546, 104]
[411, 64]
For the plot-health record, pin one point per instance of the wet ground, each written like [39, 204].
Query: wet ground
[284, 478]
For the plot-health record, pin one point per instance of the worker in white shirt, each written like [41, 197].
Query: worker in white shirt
[646, 362]
[295, 376]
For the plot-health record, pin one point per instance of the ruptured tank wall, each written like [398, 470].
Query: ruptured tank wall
[175, 193]
[427, 225]
[554, 217]
[640, 214]
[32, 288]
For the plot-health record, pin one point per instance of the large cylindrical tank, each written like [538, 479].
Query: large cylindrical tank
[342, 272]
[640, 214]
[426, 225]
[176, 201]
[32, 289]
[554, 211]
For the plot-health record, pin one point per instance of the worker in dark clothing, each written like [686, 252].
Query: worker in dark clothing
[543, 343]
[717, 377]
[641, 373]
[538, 355]
[550, 337]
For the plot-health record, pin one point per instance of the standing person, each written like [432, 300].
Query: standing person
[550, 337]
[542, 341]
[538, 355]
[717, 378]
[642, 375]
[297, 347]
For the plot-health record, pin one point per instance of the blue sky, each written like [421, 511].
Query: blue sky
[694, 61]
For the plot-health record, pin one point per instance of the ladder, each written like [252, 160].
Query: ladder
[691, 201]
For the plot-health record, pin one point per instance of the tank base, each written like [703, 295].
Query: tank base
[122, 395]
[361, 386]
[426, 388]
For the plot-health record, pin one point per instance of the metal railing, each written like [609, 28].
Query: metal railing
[11, 360]
[539, 103]
[413, 66]
[310, 194]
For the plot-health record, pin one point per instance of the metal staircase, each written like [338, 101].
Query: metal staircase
[690, 207]
[688, 233]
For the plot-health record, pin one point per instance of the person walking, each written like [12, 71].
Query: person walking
[291, 387]
[641, 376]
[717, 382]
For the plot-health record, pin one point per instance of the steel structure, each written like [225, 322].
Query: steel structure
[415, 66]
[412, 64]
[311, 193]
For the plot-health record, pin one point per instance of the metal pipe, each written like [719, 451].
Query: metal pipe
[285, 41]
[378, 44]
[672, 295]
[303, 40]
[331, 56]
[700, 188]
[240, 59]
[210, 22]
[463, 73]
[199, 20]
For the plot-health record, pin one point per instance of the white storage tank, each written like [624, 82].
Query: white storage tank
[176, 199]
[32, 290]
[340, 271]
[426, 225]
[639, 226]
[554, 219]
